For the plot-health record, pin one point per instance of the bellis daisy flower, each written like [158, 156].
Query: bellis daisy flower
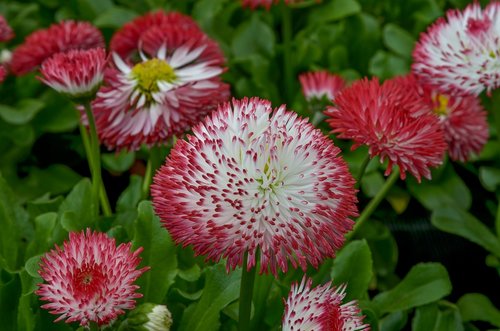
[6, 32]
[321, 309]
[76, 73]
[60, 37]
[462, 52]
[256, 180]
[174, 84]
[320, 84]
[393, 122]
[89, 279]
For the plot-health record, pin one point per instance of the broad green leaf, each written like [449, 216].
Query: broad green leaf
[158, 254]
[220, 290]
[383, 247]
[253, 36]
[386, 65]
[22, 113]
[43, 204]
[89, 9]
[434, 317]
[192, 274]
[114, 17]
[78, 211]
[395, 321]
[25, 316]
[459, 222]
[33, 265]
[118, 162]
[478, 307]
[58, 115]
[490, 178]
[10, 291]
[21, 135]
[424, 283]
[398, 40]
[334, 10]
[44, 226]
[353, 265]
[371, 183]
[131, 196]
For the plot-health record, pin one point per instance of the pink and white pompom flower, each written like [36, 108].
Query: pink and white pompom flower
[321, 309]
[320, 84]
[175, 83]
[76, 73]
[6, 32]
[89, 279]
[462, 52]
[253, 179]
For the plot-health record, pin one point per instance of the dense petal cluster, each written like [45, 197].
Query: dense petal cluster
[321, 309]
[253, 179]
[462, 52]
[320, 84]
[89, 279]
[173, 85]
[6, 32]
[393, 122]
[60, 37]
[77, 73]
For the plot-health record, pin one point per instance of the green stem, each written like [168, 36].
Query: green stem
[246, 292]
[362, 170]
[286, 31]
[95, 161]
[374, 202]
[152, 165]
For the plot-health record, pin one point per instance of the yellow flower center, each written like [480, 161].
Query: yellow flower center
[148, 74]
[441, 102]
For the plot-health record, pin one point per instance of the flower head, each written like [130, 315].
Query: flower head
[320, 309]
[77, 73]
[174, 84]
[253, 179]
[6, 32]
[320, 84]
[393, 122]
[60, 37]
[149, 317]
[89, 279]
[461, 53]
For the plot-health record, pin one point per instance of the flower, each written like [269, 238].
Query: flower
[60, 37]
[253, 179]
[320, 84]
[6, 32]
[127, 41]
[77, 73]
[393, 122]
[461, 53]
[176, 83]
[321, 309]
[89, 279]
[149, 317]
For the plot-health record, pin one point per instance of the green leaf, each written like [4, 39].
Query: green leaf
[131, 196]
[158, 253]
[78, 210]
[425, 283]
[461, 223]
[395, 321]
[398, 40]
[32, 266]
[383, 247]
[435, 317]
[353, 265]
[43, 204]
[334, 10]
[114, 17]
[44, 226]
[253, 36]
[118, 162]
[21, 114]
[490, 178]
[371, 183]
[59, 114]
[220, 290]
[10, 291]
[386, 65]
[477, 307]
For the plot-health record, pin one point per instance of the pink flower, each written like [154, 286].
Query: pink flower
[174, 84]
[3, 73]
[77, 73]
[321, 309]
[393, 122]
[320, 84]
[461, 53]
[253, 179]
[60, 37]
[89, 279]
[6, 32]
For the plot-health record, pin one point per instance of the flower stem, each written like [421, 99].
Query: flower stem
[374, 202]
[246, 292]
[362, 170]
[94, 157]
[152, 165]
[286, 32]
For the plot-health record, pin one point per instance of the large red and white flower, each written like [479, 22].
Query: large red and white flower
[320, 84]
[174, 84]
[77, 73]
[60, 37]
[256, 180]
[393, 122]
[462, 52]
[89, 279]
[6, 32]
[321, 309]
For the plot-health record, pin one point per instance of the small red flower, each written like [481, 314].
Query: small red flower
[321, 309]
[6, 32]
[89, 279]
[60, 37]
[393, 122]
[320, 84]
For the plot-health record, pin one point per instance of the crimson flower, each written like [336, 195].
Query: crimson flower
[320, 84]
[89, 279]
[256, 180]
[393, 122]
[6, 32]
[61, 37]
[321, 309]
[462, 52]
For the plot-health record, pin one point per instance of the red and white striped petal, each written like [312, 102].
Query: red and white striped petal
[320, 84]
